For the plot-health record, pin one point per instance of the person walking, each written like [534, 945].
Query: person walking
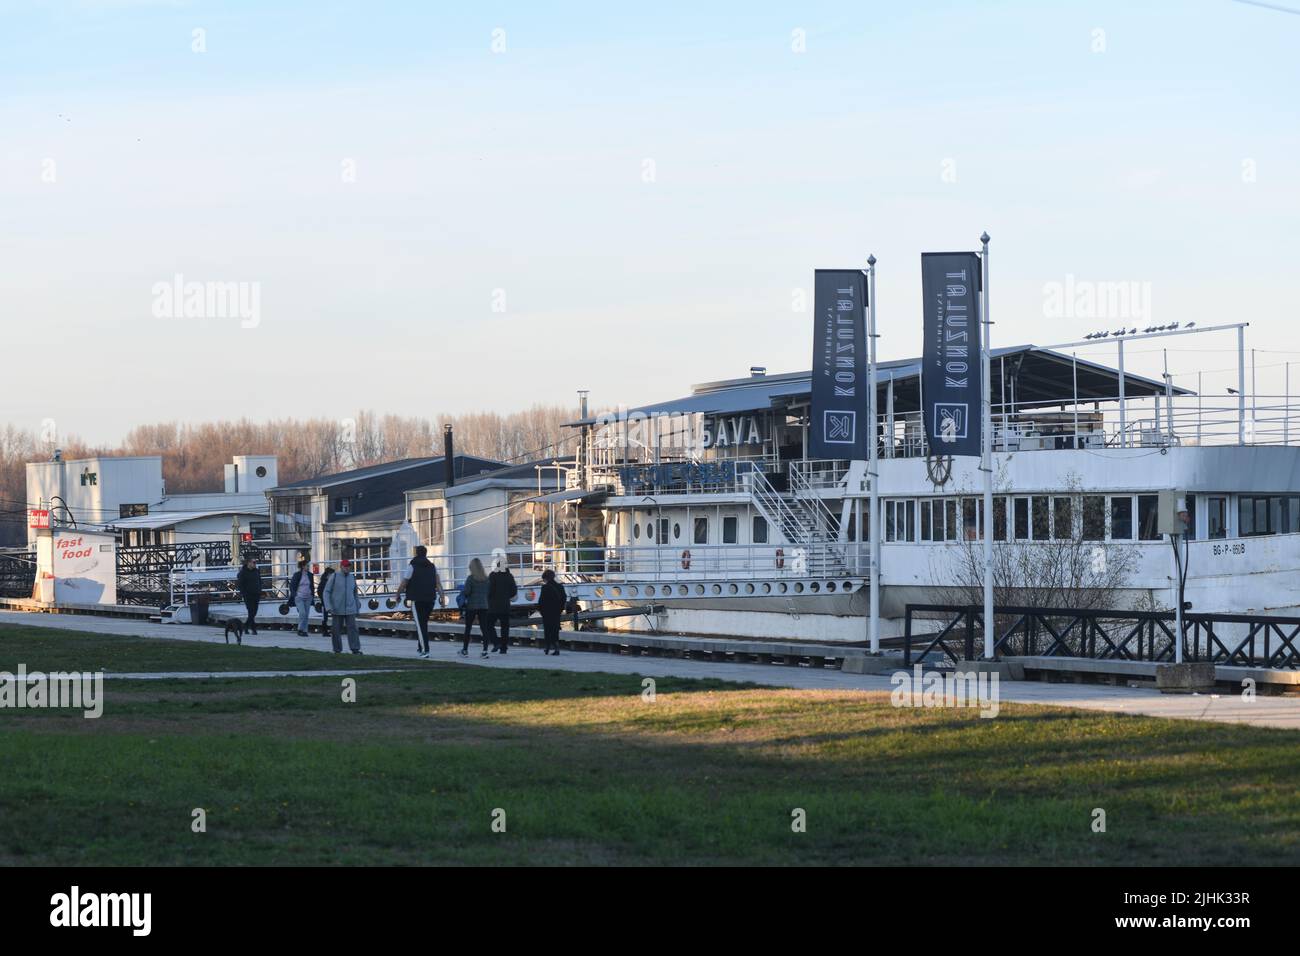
[344, 601]
[420, 582]
[551, 602]
[501, 591]
[320, 593]
[249, 583]
[302, 589]
[474, 593]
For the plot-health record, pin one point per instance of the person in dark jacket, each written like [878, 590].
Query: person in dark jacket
[474, 594]
[501, 591]
[420, 582]
[249, 583]
[551, 603]
[320, 593]
[302, 589]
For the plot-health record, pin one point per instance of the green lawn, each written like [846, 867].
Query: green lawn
[587, 771]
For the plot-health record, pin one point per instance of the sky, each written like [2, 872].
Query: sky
[449, 207]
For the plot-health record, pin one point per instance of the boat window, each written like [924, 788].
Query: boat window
[1293, 515]
[1254, 516]
[1190, 533]
[1022, 519]
[1149, 518]
[1121, 518]
[760, 529]
[927, 520]
[701, 530]
[649, 531]
[1062, 518]
[729, 525]
[636, 531]
[677, 531]
[663, 530]
[1042, 520]
[969, 523]
[1094, 518]
[1216, 517]
[1000, 519]
[950, 519]
[911, 520]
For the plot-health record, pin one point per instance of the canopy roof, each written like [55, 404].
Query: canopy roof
[1040, 376]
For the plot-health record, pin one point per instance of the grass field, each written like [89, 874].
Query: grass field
[587, 771]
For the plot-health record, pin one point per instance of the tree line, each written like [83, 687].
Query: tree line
[193, 455]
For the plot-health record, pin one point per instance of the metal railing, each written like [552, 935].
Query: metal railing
[1245, 640]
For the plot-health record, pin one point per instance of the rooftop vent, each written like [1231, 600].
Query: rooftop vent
[757, 371]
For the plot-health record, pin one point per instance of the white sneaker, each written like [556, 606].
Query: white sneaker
[423, 654]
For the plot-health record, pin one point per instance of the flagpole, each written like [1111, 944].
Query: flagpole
[986, 428]
[873, 621]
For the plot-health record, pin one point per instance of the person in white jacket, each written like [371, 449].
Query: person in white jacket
[342, 599]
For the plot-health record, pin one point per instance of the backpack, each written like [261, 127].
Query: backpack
[461, 599]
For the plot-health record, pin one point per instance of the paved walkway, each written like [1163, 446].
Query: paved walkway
[1263, 711]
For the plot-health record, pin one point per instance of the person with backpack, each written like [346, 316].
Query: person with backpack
[501, 591]
[343, 599]
[301, 593]
[551, 602]
[249, 583]
[420, 582]
[473, 600]
[320, 593]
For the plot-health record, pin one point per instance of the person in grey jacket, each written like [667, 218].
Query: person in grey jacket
[341, 599]
[474, 594]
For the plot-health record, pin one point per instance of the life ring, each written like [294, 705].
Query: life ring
[780, 557]
[686, 560]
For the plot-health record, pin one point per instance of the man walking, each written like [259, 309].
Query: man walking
[420, 582]
[301, 592]
[249, 583]
[342, 600]
[501, 591]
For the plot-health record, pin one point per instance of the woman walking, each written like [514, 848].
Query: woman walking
[475, 594]
[301, 592]
[249, 582]
[550, 602]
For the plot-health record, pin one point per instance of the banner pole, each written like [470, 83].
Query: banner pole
[986, 442]
[873, 620]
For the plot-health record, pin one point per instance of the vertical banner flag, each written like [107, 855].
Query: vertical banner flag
[951, 389]
[839, 427]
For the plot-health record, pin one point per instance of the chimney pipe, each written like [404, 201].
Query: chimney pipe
[448, 457]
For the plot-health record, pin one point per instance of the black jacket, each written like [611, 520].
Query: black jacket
[423, 585]
[551, 600]
[501, 589]
[320, 585]
[249, 582]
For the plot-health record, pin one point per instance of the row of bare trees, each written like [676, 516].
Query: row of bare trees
[193, 454]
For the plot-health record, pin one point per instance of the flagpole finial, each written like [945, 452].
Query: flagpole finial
[871, 259]
[984, 237]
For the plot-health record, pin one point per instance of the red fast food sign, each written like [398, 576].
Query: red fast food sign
[39, 518]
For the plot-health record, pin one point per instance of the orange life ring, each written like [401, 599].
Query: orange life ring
[686, 560]
[780, 557]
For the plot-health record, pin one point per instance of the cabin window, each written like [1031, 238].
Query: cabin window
[927, 520]
[900, 520]
[1062, 518]
[1000, 519]
[1293, 515]
[1094, 518]
[1149, 518]
[1216, 517]
[429, 525]
[1041, 518]
[677, 531]
[132, 511]
[701, 531]
[1121, 518]
[1253, 515]
[970, 529]
[729, 529]
[1190, 533]
[950, 519]
[760, 529]
[343, 506]
[663, 530]
[1022, 519]
[636, 531]
[650, 531]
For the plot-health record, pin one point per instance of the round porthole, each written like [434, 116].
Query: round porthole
[749, 589]
[767, 588]
[717, 589]
[618, 592]
[649, 532]
[830, 587]
[636, 531]
[782, 587]
[600, 592]
[814, 587]
[260, 471]
[632, 591]
[372, 604]
[798, 589]
[677, 531]
[650, 591]
[699, 589]
[732, 589]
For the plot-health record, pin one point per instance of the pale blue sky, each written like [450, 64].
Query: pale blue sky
[523, 171]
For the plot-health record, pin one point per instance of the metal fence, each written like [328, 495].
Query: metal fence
[1246, 640]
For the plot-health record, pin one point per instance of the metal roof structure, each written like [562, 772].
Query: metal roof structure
[1040, 376]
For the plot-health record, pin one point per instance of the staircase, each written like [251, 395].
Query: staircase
[803, 520]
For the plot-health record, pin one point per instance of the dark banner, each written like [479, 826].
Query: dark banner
[951, 386]
[839, 427]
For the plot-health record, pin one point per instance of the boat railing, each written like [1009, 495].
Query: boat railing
[1147, 422]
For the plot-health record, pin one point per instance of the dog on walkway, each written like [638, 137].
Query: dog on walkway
[236, 628]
